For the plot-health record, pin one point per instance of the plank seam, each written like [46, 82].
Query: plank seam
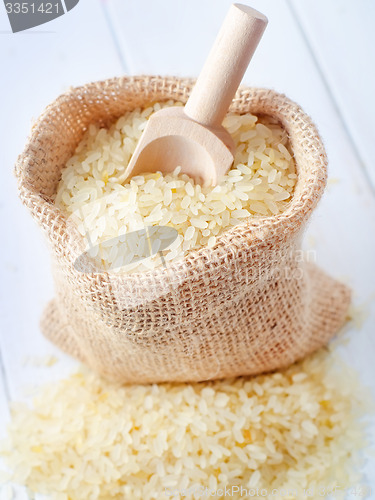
[115, 39]
[4, 378]
[335, 104]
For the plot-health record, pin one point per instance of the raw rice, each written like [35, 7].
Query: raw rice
[84, 438]
[94, 193]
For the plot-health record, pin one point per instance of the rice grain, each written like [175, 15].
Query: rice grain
[94, 193]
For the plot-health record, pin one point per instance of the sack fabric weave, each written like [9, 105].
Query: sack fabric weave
[248, 305]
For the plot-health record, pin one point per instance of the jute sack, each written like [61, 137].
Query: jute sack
[248, 305]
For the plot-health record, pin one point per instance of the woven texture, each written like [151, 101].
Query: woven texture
[248, 305]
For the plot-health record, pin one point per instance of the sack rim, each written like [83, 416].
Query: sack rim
[255, 232]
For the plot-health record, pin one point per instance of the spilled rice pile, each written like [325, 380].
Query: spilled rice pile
[84, 438]
[94, 192]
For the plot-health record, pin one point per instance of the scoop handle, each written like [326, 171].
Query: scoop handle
[226, 64]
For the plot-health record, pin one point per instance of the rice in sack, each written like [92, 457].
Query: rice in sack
[242, 303]
[108, 208]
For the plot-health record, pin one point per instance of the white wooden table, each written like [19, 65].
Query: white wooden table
[319, 52]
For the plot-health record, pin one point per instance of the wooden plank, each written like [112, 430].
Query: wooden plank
[36, 66]
[173, 39]
[341, 35]
[4, 400]
[18, 491]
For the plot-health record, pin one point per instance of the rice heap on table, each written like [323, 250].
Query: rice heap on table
[278, 434]
[93, 190]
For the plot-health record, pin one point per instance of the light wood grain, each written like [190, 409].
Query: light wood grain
[36, 67]
[345, 53]
[172, 139]
[226, 64]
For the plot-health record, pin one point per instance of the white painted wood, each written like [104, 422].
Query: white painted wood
[157, 44]
[4, 411]
[342, 37]
[39, 66]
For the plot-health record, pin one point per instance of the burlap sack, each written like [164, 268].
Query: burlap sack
[250, 304]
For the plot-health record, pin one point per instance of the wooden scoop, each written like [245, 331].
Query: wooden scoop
[193, 137]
